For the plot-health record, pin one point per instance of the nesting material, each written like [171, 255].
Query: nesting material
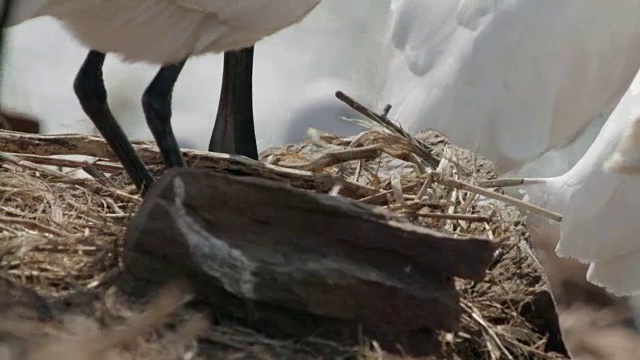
[60, 234]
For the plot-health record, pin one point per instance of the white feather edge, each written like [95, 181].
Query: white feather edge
[626, 158]
[617, 275]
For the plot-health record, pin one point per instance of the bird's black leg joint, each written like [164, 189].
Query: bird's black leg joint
[156, 103]
[90, 90]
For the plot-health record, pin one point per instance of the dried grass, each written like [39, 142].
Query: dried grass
[492, 326]
[60, 235]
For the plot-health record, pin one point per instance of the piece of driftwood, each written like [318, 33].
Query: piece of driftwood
[71, 144]
[262, 246]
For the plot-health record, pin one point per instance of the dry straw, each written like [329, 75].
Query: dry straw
[60, 234]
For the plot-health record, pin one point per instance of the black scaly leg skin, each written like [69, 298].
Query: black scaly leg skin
[156, 103]
[90, 90]
[234, 131]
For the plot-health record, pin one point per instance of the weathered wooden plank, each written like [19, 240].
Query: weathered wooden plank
[273, 245]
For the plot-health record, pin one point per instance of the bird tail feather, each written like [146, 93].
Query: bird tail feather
[620, 275]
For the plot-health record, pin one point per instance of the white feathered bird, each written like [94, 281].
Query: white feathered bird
[509, 108]
[168, 33]
[599, 227]
[510, 79]
[295, 76]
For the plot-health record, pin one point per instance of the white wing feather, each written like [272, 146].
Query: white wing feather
[167, 31]
[259, 15]
[513, 78]
[600, 224]
[617, 274]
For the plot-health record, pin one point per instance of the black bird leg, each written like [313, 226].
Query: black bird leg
[156, 103]
[234, 132]
[90, 90]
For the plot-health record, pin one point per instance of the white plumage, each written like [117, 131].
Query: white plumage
[167, 31]
[296, 73]
[600, 227]
[511, 79]
[626, 158]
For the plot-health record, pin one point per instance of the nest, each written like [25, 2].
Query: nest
[61, 235]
